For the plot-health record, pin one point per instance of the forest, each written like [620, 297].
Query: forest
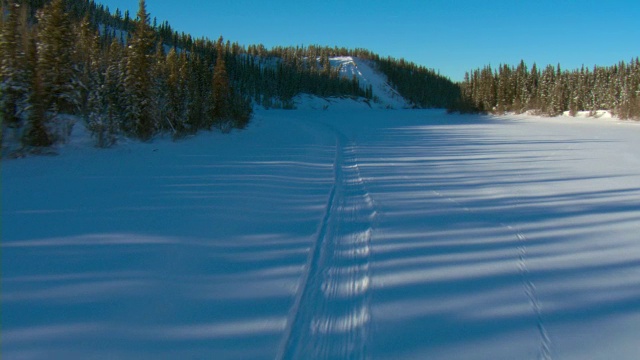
[68, 59]
[64, 60]
[552, 91]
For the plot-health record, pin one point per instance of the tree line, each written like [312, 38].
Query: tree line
[61, 60]
[56, 62]
[421, 86]
[552, 90]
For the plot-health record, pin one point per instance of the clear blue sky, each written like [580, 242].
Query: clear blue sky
[452, 36]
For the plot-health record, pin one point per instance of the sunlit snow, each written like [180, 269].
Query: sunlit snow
[348, 233]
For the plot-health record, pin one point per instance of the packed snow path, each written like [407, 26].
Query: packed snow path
[330, 318]
[330, 234]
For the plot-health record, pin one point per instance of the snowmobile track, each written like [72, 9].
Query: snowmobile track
[330, 317]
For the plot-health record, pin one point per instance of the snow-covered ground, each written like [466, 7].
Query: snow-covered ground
[330, 234]
[598, 114]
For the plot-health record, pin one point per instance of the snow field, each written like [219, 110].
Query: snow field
[497, 236]
[168, 250]
[330, 234]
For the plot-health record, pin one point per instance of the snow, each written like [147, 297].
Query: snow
[313, 102]
[367, 75]
[330, 234]
[598, 114]
[385, 96]
[161, 249]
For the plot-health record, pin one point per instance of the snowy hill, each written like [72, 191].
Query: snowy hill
[386, 97]
[367, 75]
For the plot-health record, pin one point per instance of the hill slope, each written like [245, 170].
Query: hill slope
[384, 96]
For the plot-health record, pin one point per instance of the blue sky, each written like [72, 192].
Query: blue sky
[450, 36]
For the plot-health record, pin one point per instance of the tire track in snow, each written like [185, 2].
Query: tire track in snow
[544, 352]
[330, 317]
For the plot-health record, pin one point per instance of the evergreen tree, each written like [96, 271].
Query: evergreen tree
[87, 57]
[523, 90]
[175, 91]
[558, 94]
[37, 133]
[554, 90]
[503, 98]
[100, 120]
[14, 77]
[221, 94]
[198, 95]
[139, 78]
[114, 85]
[58, 75]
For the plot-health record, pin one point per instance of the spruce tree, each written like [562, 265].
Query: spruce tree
[221, 93]
[36, 133]
[55, 60]
[113, 84]
[14, 78]
[94, 64]
[86, 57]
[195, 98]
[139, 77]
[177, 76]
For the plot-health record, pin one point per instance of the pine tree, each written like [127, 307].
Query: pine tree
[86, 57]
[558, 94]
[36, 133]
[221, 94]
[101, 122]
[113, 85]
[523, 94]
[139, 77]
[503, 99]
[55, 54]
[177, 76]
[160, 91]
[14, 77]
[196, 98]
[545, 90]
[533, 84]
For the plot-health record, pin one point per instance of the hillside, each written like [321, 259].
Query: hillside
[126, 77]
[368, 75]
[382, 96]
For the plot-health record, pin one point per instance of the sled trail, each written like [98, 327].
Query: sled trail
[330, 317]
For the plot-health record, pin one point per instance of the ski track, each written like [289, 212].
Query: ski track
[330, 318]
[544, 351]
